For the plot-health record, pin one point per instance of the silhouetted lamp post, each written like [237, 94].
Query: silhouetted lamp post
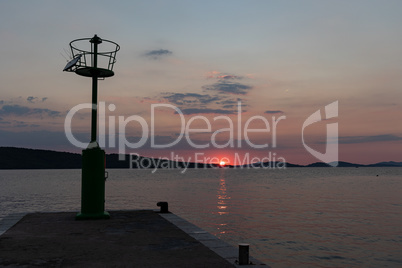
[88, 61]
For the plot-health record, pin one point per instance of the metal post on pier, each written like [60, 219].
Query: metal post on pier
[85, 63]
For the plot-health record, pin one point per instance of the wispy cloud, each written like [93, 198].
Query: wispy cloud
[33, 99]
[25, 111]
[206, 111]
[17, 124]
[193, 103]
[157, 54]
[366, 139]
[190, 98]
[222, 76]
[229, 87]
[229, 77]
[231, 101]
[221, 97]
[273, 112]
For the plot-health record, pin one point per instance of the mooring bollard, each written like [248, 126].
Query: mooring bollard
[243, 254]
[164, 207]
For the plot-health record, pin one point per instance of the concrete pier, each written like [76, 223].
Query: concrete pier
[139, 238]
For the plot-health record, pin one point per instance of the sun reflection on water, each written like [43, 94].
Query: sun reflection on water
[222, 205]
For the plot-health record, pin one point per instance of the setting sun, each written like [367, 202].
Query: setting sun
[222, 163]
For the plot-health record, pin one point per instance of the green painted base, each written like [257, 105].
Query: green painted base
[92, 216]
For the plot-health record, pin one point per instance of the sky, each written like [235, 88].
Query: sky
[215, 79]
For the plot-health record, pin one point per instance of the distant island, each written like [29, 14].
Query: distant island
[23, 158]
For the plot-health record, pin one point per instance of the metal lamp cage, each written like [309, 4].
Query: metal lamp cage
[83, 52]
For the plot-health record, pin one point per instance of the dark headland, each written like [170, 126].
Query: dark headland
[23, 158]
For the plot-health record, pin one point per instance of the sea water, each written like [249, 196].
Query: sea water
[298, 217]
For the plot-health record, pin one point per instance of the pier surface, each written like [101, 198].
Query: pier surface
[140, 238]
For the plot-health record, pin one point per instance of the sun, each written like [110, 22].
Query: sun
[222, 163]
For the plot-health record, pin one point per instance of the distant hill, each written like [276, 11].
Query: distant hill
[340, 164]
[389, 164]
[347, 164]
[22, 158]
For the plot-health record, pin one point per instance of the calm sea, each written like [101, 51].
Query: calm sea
[298, 217]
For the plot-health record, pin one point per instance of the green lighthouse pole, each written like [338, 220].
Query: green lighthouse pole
[95, 72]
[85, 63]
[93, 157]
